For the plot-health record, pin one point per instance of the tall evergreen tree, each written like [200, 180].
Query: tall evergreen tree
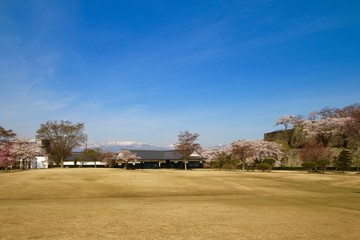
[343, 162]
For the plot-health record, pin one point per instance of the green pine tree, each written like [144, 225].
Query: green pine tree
[343, 162]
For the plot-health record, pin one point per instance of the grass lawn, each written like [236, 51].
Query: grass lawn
[170, 204]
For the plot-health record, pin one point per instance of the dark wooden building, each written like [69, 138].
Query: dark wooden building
[152, 159]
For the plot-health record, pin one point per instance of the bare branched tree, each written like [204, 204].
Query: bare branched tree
[64, 136]
[6, 135]
[186, 145]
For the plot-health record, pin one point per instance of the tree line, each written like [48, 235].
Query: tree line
[323, 131]
[57, 139]
[315, 137]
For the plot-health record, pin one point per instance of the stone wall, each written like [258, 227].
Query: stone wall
[281, 135]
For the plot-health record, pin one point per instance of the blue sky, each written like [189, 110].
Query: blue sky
[145, 70]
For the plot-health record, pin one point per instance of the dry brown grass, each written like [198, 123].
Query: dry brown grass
[170, 204]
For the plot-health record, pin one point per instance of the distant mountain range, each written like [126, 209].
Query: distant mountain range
[117, 146]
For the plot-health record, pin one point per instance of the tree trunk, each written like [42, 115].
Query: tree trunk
[62, 162]
[345, 145]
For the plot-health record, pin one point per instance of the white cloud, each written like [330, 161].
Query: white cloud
[52, 104]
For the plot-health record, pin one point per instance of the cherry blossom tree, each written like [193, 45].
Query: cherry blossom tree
[24, 151]
[6, 160]
[109, 158]
[251, 152]
[243, 150]
[313, 116]
[289, 121]
[221, 157]
[330, 122]
[324, 129]
[352, 126]
[328, 112]
[266, 149]
[126, 156]
[211, 153]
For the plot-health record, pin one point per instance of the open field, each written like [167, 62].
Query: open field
[170, 204]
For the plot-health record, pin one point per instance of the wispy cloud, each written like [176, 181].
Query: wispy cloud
[52, 104]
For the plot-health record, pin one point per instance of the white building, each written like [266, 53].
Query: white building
[40, 162]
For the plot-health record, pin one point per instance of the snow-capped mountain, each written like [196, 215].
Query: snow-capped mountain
[116, 146]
